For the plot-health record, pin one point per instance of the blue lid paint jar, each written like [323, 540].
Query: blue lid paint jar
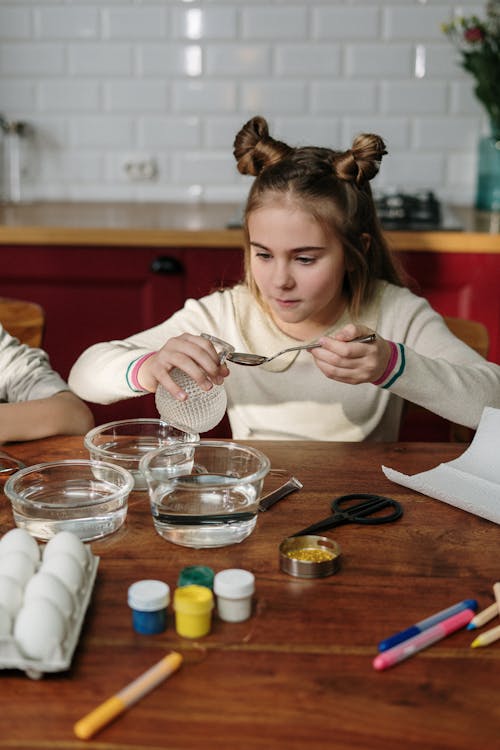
[148, 601]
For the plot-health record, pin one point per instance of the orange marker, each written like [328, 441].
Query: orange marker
[114, 706]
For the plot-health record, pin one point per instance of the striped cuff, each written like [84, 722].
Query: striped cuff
[132, 371]
[395, 366]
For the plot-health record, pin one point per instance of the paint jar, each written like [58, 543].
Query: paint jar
[234, 588]
[148, 601]
[193, 610]
[200, 575]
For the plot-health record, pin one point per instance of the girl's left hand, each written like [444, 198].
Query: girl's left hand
[340, 358]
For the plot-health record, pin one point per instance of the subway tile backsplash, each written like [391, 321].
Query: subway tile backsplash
[108, 83]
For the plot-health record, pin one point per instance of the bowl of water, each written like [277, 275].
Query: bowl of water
[126, 441]
[205, 493]
[88, 498]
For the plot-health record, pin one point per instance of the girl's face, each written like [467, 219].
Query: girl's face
[298, 270]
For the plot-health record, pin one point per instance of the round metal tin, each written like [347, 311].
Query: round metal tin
[309, 568]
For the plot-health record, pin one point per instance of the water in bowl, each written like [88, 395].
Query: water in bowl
[77, 510]
[204, 510]
[127, 452]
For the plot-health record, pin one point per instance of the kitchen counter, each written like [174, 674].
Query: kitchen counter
[200, 225]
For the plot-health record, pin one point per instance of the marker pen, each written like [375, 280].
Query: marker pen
[429, 622]
[422, 640]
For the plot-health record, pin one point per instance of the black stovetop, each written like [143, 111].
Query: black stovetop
[413, 211]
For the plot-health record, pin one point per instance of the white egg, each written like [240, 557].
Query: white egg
[11, 595]
[20, 541]
[5, 623]
[17, 565]
[66, 569]
[39, 629]
[69, 543]
[47, 586]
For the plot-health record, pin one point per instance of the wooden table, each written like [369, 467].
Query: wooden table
[299, 673]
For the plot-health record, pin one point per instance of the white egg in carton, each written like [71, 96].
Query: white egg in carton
[44, 594]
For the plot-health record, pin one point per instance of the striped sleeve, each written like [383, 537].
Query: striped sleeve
[395, 369]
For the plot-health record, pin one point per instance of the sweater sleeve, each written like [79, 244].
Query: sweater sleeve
[101, 374]
[26, 372]
[435, 369]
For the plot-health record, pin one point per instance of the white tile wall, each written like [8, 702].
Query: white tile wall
[104, 81]
[91, 59]
[345, 22]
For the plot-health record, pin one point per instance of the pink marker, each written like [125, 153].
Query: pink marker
[422, 640]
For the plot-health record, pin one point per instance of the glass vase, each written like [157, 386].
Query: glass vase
[488, 172]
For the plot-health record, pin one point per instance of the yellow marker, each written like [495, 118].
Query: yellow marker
[486, 638]
[114, 706]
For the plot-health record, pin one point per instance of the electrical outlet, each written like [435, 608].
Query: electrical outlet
[140, 168]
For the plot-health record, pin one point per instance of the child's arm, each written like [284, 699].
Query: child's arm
[348, 361]
[60, 414]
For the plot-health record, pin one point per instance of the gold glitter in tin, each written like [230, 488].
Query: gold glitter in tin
[310, 554]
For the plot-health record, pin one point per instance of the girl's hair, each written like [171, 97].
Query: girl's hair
[333, 187]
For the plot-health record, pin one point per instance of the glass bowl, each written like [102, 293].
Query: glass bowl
[205, 494]
[88, 498]
[126, 441]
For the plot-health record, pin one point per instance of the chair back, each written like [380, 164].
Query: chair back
[24, 320]
[471, 332]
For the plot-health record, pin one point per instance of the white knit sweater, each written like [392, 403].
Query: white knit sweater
[25, 372]
[290, 398]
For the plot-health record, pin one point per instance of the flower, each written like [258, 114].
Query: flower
[478, 42]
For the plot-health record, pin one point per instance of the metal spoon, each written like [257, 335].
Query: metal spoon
[252, 360]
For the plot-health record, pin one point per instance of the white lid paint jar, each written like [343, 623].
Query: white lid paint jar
[148, 601]
[234, 588]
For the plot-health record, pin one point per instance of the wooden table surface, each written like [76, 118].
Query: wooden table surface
[299, 673]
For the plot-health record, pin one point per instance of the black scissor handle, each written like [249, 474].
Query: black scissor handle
[366, 512]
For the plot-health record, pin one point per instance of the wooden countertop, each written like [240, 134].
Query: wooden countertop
[199, 225]
[298, 674]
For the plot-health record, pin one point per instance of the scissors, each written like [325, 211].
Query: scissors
[364, 512]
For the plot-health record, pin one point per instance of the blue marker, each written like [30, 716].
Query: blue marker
[429, 622]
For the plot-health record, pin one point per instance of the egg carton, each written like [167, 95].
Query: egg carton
[11, 656]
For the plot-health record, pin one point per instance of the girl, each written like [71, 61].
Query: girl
[317, 269]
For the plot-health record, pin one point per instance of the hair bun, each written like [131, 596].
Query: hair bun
[254, 149]
[361, 162]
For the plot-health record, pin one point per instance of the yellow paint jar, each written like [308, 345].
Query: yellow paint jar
[193, 607]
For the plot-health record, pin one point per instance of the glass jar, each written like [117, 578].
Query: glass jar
[11, 161]
[488, 172]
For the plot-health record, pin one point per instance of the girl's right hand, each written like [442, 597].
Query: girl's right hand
[193, 355]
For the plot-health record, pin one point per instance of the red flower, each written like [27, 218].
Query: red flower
[474, 34]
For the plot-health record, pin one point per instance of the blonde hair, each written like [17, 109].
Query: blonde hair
[333, 187]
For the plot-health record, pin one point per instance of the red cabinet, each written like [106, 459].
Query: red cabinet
[92, 294]
[461, 285]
